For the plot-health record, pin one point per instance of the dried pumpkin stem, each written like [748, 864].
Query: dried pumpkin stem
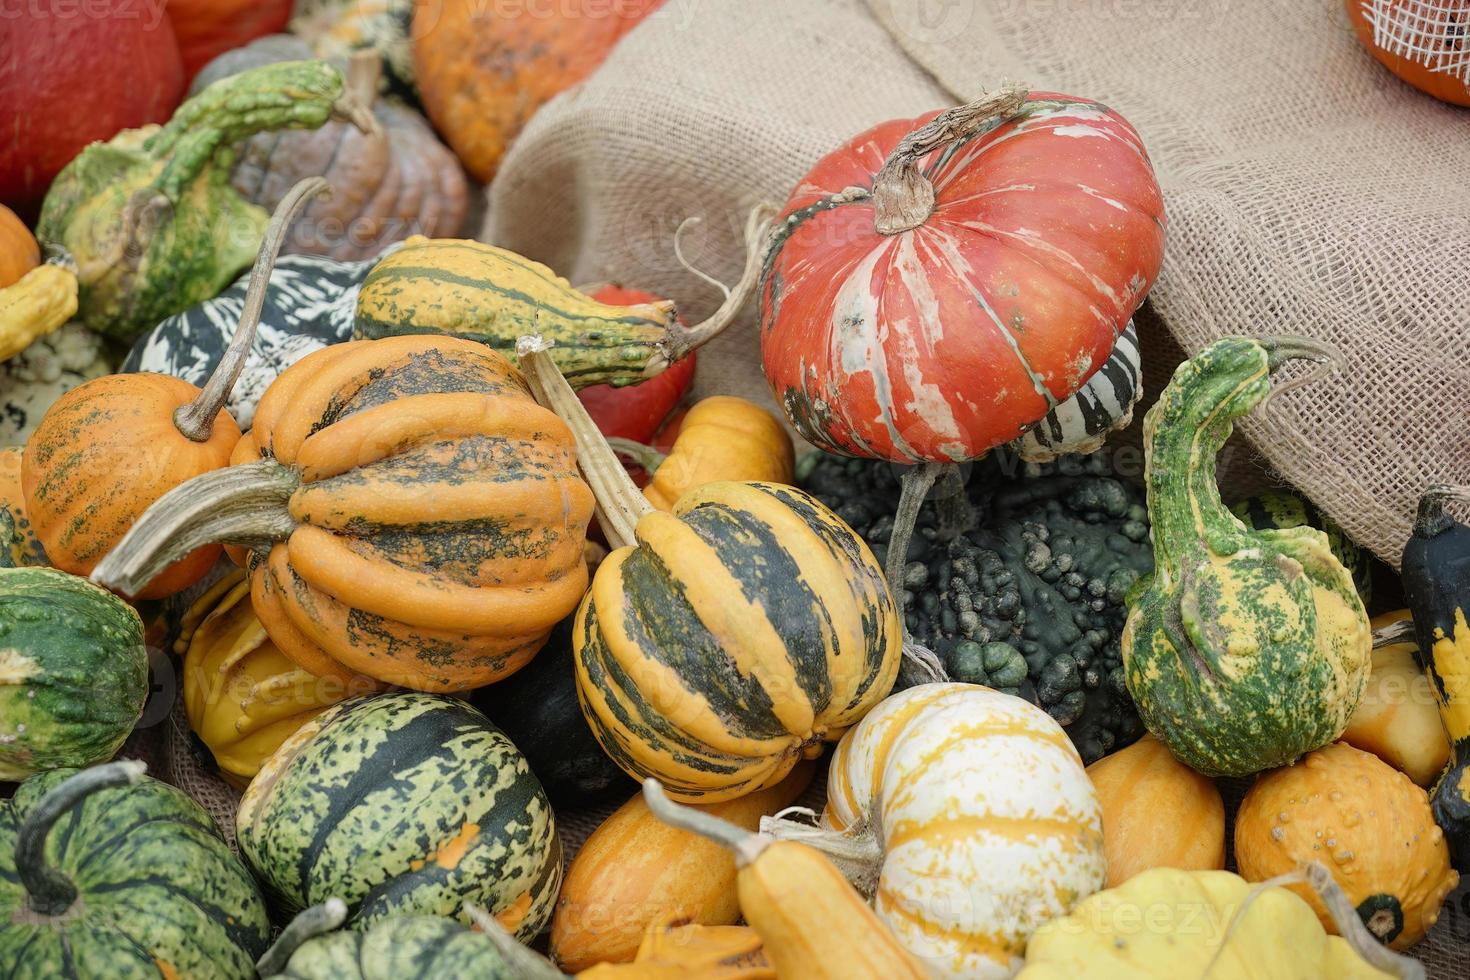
[1432, 519]
[858, 854]
[645, 456]
[1399, 632]
[360, 91]
[523, 962]
[1281, 350]
[309, 924]
[745, 845]
[196, 419]
[244, 505]
[903, 198]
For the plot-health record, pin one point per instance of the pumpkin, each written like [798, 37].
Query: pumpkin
[1282, 508]
[673, 948]
[1103, 405]
[1398, 718]
[1366, 822]
[207, 28]
[925, 804]
[108, 449]
[414, 516]
[19, 546]
[135, 882]
[242, 696]
[53, 91]
[483, 72]
[635, 871]
[32, 381]
[337, 28]
[1436, 574]
[73, 672]
[721, 438]
[722, 642]
[636, 411]
[19, 252]
[1156, 813]
[1168, 923]
[1423, 43]
[402, 804]
[1248, 647]
[146, 216]
[40, 303]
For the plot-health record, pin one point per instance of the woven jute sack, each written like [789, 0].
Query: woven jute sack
[1308, 191]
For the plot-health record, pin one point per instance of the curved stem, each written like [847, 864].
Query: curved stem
[360, 91]
[1283, 349]
[309, 924]
[1432, 519]
[916, 483]
[903, 198]
[858, 854]
[620, 504]
[746, 846]
[1350, 926]
[49, 892]
[245, 505]
[645, 456]
[523, 962]
[196, 419]
[1402, 631]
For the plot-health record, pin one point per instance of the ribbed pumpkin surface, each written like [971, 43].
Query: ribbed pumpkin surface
[742, 631]
[403, 804]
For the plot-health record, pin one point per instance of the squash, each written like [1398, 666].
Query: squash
[1248, 648]
[337, 28]
[1398, 718]
[1367, 823]
[402, 804]
[1156, 813]
[1422, 43]
[32, 381]
[721, 438]
[722, 642]
[413, 515]
[43, 300]
[483, 72]
[19, 546]
[812, 923]
[1102, 406]
[640, 410]
[673, 948]
[108, 449]
[969, 816]
[242, 696]
[73, 672]
[19, 252]
[1168, 923]
[208, 28]
[135, 882]
[148, 220]
[1282, 508]
[635, 871]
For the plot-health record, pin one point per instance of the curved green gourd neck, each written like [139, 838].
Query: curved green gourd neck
[48, 891]
[308, 924]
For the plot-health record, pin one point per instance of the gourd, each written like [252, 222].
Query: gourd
[1422, 43]
[1248, 648]
[208, 28]
[1366, 822]
[635, 870]
[1282, 508]
[495, 296]
[1398, 718]
[674, 948]
[811, 922]
[73, 672]
[19, 546]
[969, 816]
[1168, 923]
[148, 217]
[19, 252]
[108, 449]
[402, 804]
[482, 77]
[107, 873]
[412, 515]
[721, 438]
[1103, 405]
[38, 304]
[242, 696]
[32, 381]
[1156, 813]
[337, 28]
[1436, 574]
[720, 643]
[637, 411]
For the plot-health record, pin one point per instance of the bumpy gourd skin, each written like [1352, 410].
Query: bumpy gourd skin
[1249, 647]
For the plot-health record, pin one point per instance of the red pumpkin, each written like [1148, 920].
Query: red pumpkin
[74, 73]
[929, 304]
[1424, 42]
[206, 28]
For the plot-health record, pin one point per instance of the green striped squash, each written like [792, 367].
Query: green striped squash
[73, 671]
[1282, 508]
[107, 873]
[403, 804]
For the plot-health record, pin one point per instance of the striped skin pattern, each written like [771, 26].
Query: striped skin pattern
[403, 804]
[468, 289]
[160, 894]
[73, 671]
[440, 517]
[19, 546]
[942, 342]
[1104, 404]
[421, 947]
[989, 823]
[740, 632]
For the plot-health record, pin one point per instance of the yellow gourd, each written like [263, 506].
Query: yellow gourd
[673, 948]
[1398, 718]
[40, 302]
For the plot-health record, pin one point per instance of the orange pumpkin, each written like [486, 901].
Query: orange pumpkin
[19, 252]
[483, 70]
[1426, 44]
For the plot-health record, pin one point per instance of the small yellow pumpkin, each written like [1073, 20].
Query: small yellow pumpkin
[1398, 718]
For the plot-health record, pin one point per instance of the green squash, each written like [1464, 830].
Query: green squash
[1282, 508]
[73, 671]
[1248, 648]
[150, 217]
[134, 882]
[403, 804]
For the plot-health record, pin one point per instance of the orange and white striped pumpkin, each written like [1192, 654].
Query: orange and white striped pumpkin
[989, 824]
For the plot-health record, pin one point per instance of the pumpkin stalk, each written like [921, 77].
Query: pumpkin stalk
[903, 198]
[309, 924]
[920, 665]
[742, 843]
[858, 854]
[1431, 518]
[196, 419]
[360, 91]
[49, 892]
[523, 962]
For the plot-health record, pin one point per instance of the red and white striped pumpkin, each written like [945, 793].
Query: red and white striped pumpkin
[959, 328]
